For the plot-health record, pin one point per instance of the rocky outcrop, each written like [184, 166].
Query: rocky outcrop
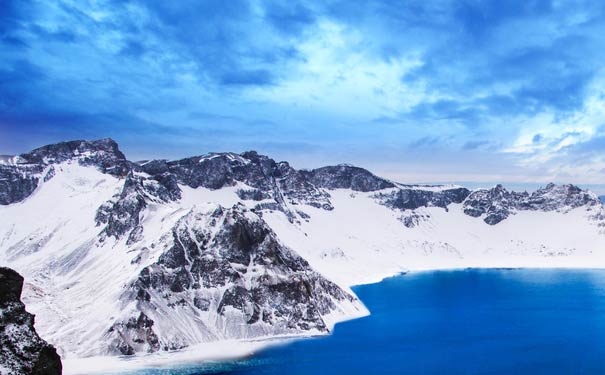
[121, 215]
[18, 182]
[20, 175]
[411, 199]
[346, 176]
[497, 204]
[224, 266]
[22, 351]
[103, 154]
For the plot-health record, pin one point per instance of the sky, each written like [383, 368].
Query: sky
[418, 91]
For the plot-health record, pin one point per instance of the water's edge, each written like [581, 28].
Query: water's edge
[234, 350]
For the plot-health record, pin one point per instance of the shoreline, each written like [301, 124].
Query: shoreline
[210, 352]
[240, 349]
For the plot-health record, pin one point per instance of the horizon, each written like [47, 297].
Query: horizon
[475, 91]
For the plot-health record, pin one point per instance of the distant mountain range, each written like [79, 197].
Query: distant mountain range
[124, 257]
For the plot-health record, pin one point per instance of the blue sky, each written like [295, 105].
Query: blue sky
[414, 90]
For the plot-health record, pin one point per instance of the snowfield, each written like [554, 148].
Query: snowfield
[76, 279]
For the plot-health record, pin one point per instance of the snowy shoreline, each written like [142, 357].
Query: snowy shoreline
[210, 352]
[240, 349]
[333, 234]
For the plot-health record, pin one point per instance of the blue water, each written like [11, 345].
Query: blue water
[454, 322]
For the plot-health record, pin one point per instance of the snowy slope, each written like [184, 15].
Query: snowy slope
[361, 241]
[76, 283]
[130, 258]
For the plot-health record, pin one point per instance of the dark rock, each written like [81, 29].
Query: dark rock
[269, 179]
[22, 351]
[20, 177]
[121, 215]
[497, 203]
[18, 182]
[347, 177]
[135, 335]
[411, 199]
[102, 153]
[229, 262]
[252, 195]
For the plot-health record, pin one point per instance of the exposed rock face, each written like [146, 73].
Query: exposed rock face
[498, 203]
[271, 180]
[102, 153]
[18, 182]
[225, 266]
[22, 351]
[121, 215]
[411, 199]
[559, 197]
[347, 177]
[20, 176]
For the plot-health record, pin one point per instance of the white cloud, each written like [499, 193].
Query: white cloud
[338, 75]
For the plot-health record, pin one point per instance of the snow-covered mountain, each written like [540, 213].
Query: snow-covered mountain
[122, 257]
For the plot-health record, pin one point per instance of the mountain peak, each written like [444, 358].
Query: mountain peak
[345, 176]
[103, 153]
[57, 152]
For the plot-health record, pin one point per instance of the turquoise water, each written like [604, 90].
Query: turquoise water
[453, 322]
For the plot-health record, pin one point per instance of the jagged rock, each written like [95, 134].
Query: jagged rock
[558, 197]
[347, 177]
[122, 214]
[411, 199]
[225, 266]
[498, 203]
[269, 179]
[22, 351]
[252, 195]
[18, 182]
[103, 154]
[19, 176]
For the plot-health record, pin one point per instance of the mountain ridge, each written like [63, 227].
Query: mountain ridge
[171, 272]
[219, 169]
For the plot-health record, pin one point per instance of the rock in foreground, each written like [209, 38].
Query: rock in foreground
[22, 351]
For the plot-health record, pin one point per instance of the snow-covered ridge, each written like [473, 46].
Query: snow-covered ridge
[238, 246]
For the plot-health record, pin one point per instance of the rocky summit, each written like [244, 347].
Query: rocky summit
[22, 351]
